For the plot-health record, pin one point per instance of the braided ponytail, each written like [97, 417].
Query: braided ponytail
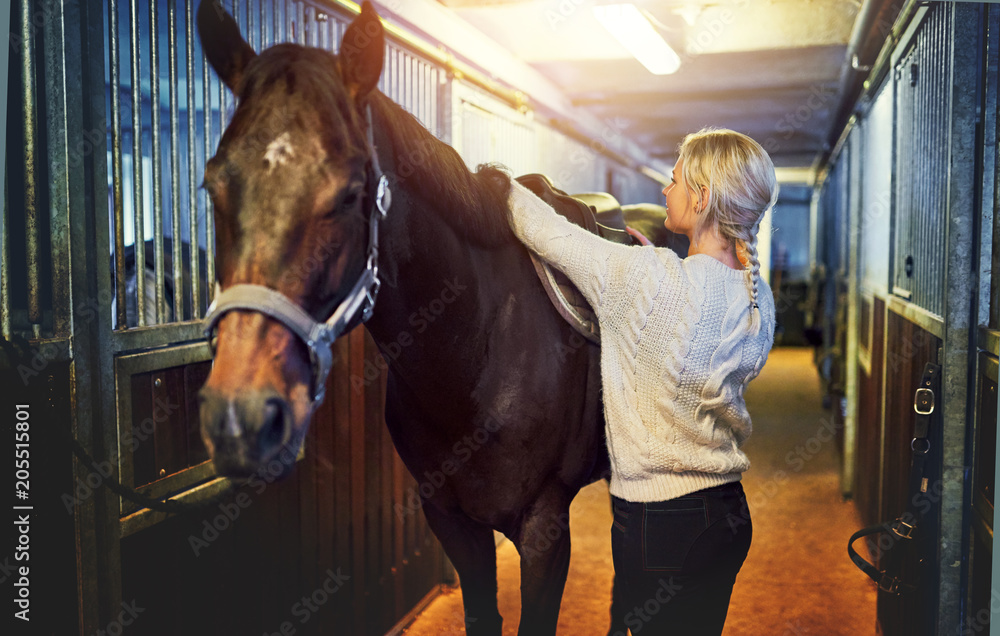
[749, 244]
[739, 176]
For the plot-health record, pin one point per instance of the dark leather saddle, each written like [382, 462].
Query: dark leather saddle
[597, 212]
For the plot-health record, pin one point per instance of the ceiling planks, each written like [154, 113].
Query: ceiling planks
[769, 68]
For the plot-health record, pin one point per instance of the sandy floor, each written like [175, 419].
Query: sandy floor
[797, 579]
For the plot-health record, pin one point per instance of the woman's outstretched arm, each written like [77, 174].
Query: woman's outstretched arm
[596, 266]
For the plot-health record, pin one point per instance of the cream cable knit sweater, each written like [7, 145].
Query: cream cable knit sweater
[676, 354]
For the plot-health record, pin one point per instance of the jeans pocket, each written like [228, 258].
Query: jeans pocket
[669, 529]
[722, 547]
[619, 514]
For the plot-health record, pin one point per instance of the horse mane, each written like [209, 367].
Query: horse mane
[474, 204]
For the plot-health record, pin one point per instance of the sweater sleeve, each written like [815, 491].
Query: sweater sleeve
[597, 267]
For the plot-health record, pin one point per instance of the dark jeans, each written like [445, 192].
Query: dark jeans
[676, 561]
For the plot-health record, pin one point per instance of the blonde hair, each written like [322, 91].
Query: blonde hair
[739, 177]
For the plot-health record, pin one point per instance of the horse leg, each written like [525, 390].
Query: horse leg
[544, 545]
[472, 549]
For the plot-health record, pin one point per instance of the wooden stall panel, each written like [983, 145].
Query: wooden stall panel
[986, 440]
[869, 438]
[324, 551]
[164, 437]
[908, 348]
[984, 481]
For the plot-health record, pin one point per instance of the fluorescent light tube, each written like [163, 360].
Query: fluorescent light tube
[627, 24]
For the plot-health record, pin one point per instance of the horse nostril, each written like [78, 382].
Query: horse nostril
[274, 425]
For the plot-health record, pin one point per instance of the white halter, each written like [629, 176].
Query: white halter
[317, 336]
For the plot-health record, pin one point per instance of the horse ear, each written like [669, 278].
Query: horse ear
[224, 47]
[362, 51]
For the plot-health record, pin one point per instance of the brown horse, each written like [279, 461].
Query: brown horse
[491, 398]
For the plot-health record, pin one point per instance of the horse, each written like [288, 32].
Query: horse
[492, 395]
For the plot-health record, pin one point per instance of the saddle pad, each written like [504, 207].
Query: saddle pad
[565, 297]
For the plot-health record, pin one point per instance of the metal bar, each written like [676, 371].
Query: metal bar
[310, 35]
[30, 194]
[87, 45]
[116, 166]
[175, 176]
[441, 57]
[852, 268]
[58, 159]
[300, 24]
[222, 108]
[147, 518]
[276, 20]
[325, 26]
[236, 18]
[209, 212]
[191, 167]
[994, 284]
[264, 34]
[931, 323]
[988, 156]
[5, 260]
[138, 220]
[155, 336]
[155, 132]
[253, 31]
[960, 57]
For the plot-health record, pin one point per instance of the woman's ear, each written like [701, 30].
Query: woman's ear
[703, 196]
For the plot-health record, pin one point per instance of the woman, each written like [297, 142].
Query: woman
[680, 340]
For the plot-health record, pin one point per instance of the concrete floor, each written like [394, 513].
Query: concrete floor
[797, 578]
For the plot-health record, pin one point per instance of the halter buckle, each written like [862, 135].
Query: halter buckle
[383, 196]
[370, 295]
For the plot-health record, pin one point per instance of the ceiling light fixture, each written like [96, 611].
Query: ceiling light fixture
[633, 30]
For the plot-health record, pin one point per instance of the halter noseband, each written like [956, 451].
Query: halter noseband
[318, 337]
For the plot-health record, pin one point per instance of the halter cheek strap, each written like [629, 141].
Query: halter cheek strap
[317, 336]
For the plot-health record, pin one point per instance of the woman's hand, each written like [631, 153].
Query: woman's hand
[638, 235]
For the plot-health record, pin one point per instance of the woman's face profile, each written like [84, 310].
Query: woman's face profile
[681, 202]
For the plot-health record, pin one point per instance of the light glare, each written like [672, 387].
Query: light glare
[627, 24]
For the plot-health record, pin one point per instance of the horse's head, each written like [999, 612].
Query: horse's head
[292, 188]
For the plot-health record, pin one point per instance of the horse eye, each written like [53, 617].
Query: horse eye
[349, 199]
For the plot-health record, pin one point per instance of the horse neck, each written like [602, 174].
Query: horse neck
[437, 286]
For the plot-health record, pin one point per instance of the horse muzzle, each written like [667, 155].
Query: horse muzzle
[247, 431]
